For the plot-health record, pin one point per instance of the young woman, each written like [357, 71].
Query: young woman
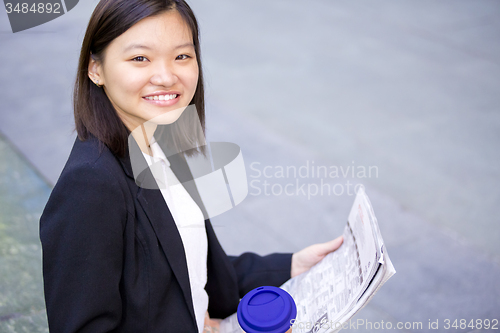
[116, 257]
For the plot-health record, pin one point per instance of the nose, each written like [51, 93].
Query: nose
[164, 76]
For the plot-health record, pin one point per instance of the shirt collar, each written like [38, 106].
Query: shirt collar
[158, 154]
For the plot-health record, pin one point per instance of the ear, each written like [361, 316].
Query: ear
[94, 71]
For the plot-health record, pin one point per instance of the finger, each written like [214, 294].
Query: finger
[332, 245]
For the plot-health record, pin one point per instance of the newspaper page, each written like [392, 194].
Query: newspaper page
[336, 288]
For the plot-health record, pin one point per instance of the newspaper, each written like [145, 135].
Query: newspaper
[334, 290]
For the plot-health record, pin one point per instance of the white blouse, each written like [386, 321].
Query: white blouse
[191, 225]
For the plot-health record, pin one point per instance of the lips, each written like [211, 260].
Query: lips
[162, 99]
[162, 93]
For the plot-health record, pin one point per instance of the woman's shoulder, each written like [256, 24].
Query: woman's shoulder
[92, 177]
[91, 163]
[90, 152]
[93, 155]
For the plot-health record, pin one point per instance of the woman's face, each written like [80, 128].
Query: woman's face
[150, 69]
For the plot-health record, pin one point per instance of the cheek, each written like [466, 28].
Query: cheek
[191, 78]
[194, 83]
[128, 81]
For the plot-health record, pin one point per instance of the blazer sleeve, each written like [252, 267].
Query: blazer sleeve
[253, 270]
[81, 231]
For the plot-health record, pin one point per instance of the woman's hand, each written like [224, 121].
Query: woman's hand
[311, 255]
[211, 325]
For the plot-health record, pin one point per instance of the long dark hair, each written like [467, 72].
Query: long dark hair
[94, 113]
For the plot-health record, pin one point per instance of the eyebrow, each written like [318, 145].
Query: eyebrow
[141, 46]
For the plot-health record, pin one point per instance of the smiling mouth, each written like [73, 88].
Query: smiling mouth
[161, 97]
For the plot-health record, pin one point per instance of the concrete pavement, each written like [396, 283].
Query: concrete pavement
[22, 197]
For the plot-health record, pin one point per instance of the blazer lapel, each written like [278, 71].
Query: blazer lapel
[153, 204]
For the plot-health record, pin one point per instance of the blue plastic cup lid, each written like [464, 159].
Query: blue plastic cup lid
[266, 309]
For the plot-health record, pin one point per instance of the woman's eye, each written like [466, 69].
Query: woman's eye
[183, 56]
[140, 59]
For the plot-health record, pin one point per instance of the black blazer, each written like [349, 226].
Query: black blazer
[113, 259]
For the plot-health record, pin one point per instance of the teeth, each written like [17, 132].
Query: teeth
[161, 97]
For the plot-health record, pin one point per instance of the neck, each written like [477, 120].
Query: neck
[143, 136]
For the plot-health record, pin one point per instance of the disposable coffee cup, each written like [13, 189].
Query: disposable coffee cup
[267, 309]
